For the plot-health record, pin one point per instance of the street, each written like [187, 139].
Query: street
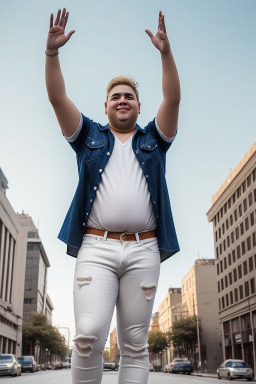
[64, 377]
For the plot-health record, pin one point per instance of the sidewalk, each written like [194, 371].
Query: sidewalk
[214, 375]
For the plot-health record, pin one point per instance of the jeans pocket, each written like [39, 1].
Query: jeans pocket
[90, 241]
[150, 245]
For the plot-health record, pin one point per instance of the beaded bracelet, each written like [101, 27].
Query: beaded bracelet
[51, 54]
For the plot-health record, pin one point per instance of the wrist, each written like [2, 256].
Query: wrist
[51, 51]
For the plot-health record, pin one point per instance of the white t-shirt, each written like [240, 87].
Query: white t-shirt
[122, 202]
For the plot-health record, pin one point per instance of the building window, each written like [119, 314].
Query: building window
[237, 233]
[250, 264]
[223, 302]
[229, 259]
[225, 263]
[241, 293]
[216, 236]
[219, 305]
[231, 297]
[254, 174]
[239, 271]
[221, 266]
[232, 237]
[253, 239]
[227, 226]
[220, 249]
[227, 301]
[230, 278]
[228, 242]
[240, 210]
[234, 198]
[229, 203]
[221, 212]
[231, 220]
[236, 294]
[243, 247]
[225, 208]
[235, 275]
[219, 233]
[241, 229]
[248, 181]
[254, 191]
[226, 281]
[246, 223]
[223, 228]
[246, 288]
[222, 284]
[235, 214]
[245, 267]
[252, 219]
[250, 199]
[218, 286]
[224, 245]
[243, 186]
[218, 269]
[248, 244]
[238, 192]
[252, 285]
[233, 255]
[238, 252]
[217, 252]
[245, 205]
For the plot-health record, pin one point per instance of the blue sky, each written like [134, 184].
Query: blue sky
[213, 43]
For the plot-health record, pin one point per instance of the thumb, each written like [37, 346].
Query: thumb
[149, 33]
[70, 34]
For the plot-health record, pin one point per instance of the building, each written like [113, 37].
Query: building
[37, 264]
[154, 323]
[114, 350]
[200, 299]
[233, 213]
[12, 274]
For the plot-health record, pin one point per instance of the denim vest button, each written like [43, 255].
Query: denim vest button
[108, 153]
[83, 224]
[95, 188]
[91, 201]
[93, 142]
[100, 171]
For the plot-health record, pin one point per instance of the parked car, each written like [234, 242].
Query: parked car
[167, 368]
[9, 365]
[57, 365]
[113, 365]
[235, 369]
[157, 368]
[181, 365]
[28, 363]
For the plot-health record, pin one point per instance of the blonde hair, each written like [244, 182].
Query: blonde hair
[123, 80]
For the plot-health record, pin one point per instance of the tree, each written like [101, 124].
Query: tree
[184, 335]
[157, 341]
[37, 331]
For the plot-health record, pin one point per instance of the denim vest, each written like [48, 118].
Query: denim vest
[93, 148]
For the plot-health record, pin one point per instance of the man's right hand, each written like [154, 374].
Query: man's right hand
[56, 36]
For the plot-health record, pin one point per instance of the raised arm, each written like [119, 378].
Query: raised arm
[66, 112]
[167, 115]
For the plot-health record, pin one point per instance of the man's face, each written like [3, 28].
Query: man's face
[122, 107]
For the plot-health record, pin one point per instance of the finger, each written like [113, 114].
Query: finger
[65, 20]
[51, 20]
[148, 32]
[159, 19]
[70, 34]
[57, 18]
[164, 28]
[62, 17]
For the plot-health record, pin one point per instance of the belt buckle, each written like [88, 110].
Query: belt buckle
[123, 236]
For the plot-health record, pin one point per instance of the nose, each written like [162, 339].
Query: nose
[122, 100]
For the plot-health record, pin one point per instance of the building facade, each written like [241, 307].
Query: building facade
[200, 299]
[37, 264]
[233, 214]
[114, 350]
[12, 274]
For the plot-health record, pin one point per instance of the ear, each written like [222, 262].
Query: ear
[105, 105]
[139, 107]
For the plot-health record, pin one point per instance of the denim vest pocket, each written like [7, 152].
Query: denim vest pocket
[150, 151]
[93, 149]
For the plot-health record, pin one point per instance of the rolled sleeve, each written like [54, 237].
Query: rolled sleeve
[162, 135]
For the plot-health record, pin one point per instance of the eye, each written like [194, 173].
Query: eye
[130, 97]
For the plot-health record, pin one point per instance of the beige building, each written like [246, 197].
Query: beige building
[13, 249]
[200, 299]
[233, 214]
[154, 323]
[114, 350]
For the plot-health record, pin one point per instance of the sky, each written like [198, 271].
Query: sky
[213, 43]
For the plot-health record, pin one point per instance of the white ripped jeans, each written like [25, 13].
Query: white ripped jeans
[108, 273]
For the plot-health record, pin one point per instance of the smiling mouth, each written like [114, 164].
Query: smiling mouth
[123, 109]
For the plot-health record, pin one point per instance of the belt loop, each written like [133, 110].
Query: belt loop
[137, 237]
[105, 236]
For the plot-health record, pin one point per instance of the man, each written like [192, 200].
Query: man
[119, 224]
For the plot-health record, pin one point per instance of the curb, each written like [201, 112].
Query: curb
[212, 375]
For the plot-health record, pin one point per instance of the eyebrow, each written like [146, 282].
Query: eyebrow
[125, 94]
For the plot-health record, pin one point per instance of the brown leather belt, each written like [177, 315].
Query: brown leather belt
[124, 236]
